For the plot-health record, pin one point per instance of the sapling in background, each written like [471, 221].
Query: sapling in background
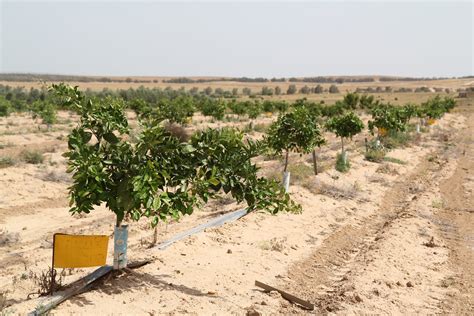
[344, 126]
[293, 132]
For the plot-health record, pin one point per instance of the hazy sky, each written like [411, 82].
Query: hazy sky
[429, 38]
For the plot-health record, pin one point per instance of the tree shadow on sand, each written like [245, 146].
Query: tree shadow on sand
[127, 280]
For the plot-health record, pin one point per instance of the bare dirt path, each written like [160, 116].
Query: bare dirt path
[412, 256]
[457, 215]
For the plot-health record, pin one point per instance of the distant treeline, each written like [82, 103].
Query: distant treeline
[185, 80]
[414, 79]
[332, 79]
[239, 79]
[65, 78]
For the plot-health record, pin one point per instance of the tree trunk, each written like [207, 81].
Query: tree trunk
[315, 162]
[155, 236]
[286, 161]
[343, 153]
[120, 245]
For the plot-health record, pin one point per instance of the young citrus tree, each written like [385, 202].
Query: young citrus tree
[158, 176]
[366, 101]
[388, 118]
[179, 110]
[294, 132]
[435, 107]
[345, 126]
[46, 111]
[351, 100]
[213, 107]
[5, 107]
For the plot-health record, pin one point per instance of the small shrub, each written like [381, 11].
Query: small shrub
[56, 176]
[3, 301]
[375, 155]
[396, 139]
[437, 204]
[32, 157]
[340, 165]
[6, 162]
[46, 281]
[300, 172]
[395, 160]
[7, 238]
[333, 89]
[387, 169]
[261, 128]
[348, 191]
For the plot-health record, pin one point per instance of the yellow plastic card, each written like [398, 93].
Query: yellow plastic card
[76, 251]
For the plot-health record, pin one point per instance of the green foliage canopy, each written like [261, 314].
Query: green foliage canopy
[158, 176]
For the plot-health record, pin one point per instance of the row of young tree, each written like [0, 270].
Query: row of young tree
[157, 175]
[301, 130]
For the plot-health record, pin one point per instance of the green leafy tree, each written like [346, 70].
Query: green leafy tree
[366, 101]
[237, 107]
[294, 132]
[213, 107]
[319, 89]
[254, 109]
[281, 106]
[291, 89]
[158, 177]
[305, 90]
[333, 89]
[387, 118]
[5, 107]
[408, 111]
[333, 110]
[219, 91]
[351, 100]
[268, 106]
[435, 107]
[208, 91]
[345, 126]
[267, 91]
[44, 110]
[139, 106]
[178, 110]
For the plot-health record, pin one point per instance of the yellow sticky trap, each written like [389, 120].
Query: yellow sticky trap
[75, 251]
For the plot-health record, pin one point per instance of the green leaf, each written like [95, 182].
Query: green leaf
[111, 138]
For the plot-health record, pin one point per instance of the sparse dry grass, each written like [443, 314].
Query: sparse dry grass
[55, 176]
[6, 161]
[47, 280]
[32, 156]
[3, 301]
[386, 168]
[339, 191]
[7, 238]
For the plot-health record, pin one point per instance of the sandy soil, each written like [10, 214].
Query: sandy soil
[383, 238]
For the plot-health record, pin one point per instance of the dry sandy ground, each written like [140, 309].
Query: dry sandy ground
[362, 244]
